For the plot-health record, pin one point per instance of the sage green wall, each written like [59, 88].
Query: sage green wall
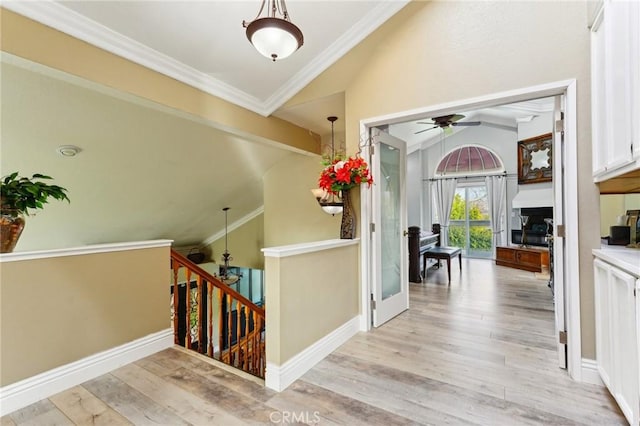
[245, 243]
[309, 296]
[291, 213]
[55, 311]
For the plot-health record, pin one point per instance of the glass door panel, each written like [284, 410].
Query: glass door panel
[390, 224]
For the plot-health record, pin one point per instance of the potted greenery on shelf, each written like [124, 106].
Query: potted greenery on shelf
[17, 195]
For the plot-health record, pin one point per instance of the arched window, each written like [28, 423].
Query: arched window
[471, 212]
[469, 160]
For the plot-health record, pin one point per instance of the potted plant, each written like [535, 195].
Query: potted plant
[17, 195]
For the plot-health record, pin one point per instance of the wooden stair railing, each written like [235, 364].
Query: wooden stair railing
[212, 312]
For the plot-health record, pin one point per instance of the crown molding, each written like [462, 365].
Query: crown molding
[358, 32]
[235, 225]
[56, 16]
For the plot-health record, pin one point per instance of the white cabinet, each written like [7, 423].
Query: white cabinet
[603, 320]
[615, 89]
[617, 345]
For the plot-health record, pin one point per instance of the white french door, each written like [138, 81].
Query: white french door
[390, 257]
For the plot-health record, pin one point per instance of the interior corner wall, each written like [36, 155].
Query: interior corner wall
[291, 213]
[445, 52]
[244, 244]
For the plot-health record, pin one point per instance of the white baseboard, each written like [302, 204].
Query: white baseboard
[590, 372]
[25, 392]
[279, 377]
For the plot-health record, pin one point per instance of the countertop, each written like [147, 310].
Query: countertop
[627, 259]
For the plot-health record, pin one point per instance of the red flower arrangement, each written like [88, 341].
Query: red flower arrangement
[340, 175]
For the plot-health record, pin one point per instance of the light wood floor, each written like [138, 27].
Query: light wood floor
[480, 351]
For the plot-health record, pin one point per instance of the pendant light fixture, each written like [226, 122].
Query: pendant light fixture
[330, 203]
[272, 36]
[226, 256]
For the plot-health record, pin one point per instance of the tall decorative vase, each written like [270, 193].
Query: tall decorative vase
[11, 226]
[348, 224]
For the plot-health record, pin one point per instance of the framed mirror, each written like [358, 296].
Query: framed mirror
[535, 159]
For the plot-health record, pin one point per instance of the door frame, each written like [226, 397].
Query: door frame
[566, 88]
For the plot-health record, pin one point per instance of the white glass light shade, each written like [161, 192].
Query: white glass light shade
[274, 38]
[332, 209]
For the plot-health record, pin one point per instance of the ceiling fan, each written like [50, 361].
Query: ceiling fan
[446, 121]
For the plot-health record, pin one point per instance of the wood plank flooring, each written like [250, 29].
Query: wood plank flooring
[479, 351]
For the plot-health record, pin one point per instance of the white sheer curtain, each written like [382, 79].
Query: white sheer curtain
[497, 191]
[444, 190]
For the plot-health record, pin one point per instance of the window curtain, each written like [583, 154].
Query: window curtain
[497, 194]
[444, 190]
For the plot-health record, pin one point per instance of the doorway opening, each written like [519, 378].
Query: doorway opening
[564, 195]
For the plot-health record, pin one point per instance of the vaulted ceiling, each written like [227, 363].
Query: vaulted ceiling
[168, 174]
[203, 43]
[146, 171]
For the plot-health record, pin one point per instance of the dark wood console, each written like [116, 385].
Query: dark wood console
[527, 258]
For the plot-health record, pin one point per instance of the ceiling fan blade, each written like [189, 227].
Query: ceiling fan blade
[467, 123]
[424, 122]
[455, 117]
[424, 130]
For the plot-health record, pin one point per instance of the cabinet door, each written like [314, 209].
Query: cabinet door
[618, 63]
[613, 55]
[505, 254]
[603, 320]
[625, 344]
[598, 91]
[634, 16]
[638, 325]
